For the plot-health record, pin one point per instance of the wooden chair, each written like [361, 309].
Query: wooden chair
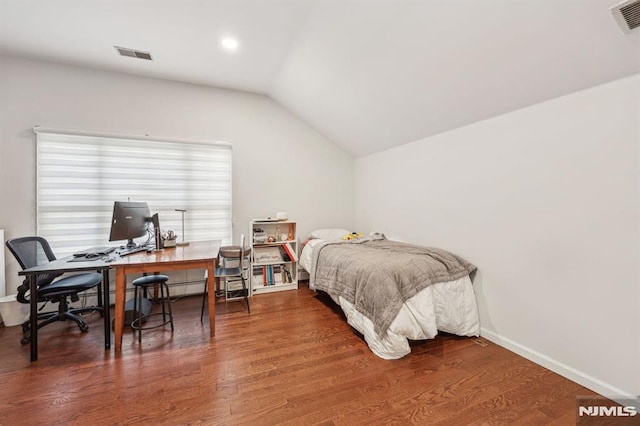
[239, 253]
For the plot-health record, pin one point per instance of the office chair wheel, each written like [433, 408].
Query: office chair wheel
[26, 338]
[84, 328]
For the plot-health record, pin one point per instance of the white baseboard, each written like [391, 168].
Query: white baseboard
[596, 385]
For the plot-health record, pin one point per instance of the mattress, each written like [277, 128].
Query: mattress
[444, 306]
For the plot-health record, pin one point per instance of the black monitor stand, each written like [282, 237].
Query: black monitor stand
[155, 219]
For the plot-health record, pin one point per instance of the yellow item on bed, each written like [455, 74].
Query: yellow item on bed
[352, 236]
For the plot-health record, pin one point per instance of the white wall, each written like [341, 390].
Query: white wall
[545, 201]
[279, 163]
[2, 276]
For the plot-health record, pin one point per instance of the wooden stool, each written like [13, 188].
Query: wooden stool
[142, 284]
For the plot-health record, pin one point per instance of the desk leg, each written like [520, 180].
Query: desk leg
[119, 308]
[211, 292]
[33, 316]
[106, 309]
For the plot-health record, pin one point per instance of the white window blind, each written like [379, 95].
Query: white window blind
[80, 176]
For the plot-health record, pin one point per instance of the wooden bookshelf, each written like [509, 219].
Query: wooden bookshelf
[274, 256]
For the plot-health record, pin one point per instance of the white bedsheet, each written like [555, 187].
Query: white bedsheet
[449, 307]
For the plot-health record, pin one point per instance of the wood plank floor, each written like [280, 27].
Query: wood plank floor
[294, 360]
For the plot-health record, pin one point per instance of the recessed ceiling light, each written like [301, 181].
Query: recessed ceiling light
[229, 43]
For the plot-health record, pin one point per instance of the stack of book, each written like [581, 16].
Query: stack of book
[272, 275]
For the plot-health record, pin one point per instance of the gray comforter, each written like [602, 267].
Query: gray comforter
[377, 275]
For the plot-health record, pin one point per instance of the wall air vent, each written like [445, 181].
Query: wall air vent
[123, 51]
[627, 14]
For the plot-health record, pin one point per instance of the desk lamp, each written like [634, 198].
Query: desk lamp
[183, 243]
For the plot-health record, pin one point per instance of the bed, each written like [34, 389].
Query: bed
[392, 292]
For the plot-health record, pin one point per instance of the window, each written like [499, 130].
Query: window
[80, 176]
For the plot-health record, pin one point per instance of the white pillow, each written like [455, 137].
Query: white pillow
[329, 233]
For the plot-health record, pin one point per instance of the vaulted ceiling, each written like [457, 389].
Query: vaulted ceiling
[369, 75]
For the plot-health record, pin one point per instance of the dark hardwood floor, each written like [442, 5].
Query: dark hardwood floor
[294, 360]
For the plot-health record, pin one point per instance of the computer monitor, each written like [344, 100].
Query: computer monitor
[129, 221]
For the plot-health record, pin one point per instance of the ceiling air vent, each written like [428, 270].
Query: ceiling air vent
[123, 51]
[627, 14]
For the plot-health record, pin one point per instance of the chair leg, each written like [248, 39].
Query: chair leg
[141, 295]
[63, 314]
[135, 307]
[26, 326]
[83, 325]
[166, 300]
[245, 293]
[135, 310]
[170, 308]
[100, 301]
[204, 300]
[50, 320]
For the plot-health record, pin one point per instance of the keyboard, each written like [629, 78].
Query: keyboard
[94, 251]
[128, 251]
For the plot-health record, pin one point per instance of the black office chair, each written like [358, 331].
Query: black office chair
[231, 253]
[34, 251]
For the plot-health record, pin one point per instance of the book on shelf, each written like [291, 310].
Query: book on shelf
[267, 254]
[268, 275]
[285, 254]
[290, 252]
[258, 274]
[265, 277]
[277, 274]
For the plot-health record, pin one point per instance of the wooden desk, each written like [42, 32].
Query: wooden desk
[199, 254]
[64, 265]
